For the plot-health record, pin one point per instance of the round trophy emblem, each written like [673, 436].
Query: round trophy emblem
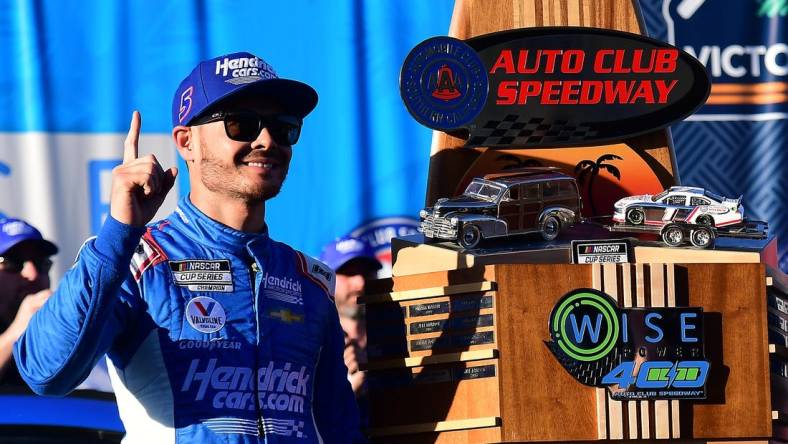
[443, 83]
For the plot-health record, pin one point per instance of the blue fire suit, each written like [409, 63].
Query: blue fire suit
[214, 335]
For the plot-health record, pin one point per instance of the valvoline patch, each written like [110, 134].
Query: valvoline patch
[205, 314]
[443, 83]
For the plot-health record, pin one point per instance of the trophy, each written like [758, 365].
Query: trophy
[565, 285]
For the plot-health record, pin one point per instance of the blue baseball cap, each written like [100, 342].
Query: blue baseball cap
[14, 232]
[348, 248]
[234, 75]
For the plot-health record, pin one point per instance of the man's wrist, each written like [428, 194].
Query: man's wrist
[9, 336]
[118, 240]
[13, 333]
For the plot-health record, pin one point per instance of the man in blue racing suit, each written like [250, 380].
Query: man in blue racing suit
[215, 332]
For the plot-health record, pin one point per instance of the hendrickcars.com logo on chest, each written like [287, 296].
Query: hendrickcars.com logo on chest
[280, 387]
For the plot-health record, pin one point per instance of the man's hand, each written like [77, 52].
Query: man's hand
[139, 185]
[354, 356]
[29, 306]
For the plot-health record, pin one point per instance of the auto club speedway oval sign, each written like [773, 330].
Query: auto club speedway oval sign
[551, 86]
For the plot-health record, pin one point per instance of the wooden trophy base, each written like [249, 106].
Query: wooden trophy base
[459, 355]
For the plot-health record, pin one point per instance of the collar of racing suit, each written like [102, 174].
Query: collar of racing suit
[202, 229]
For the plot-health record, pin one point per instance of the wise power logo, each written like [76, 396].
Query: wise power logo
[654, 353]
[742, 47]
[205, 314]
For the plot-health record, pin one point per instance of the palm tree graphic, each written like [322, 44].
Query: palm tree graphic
[590, 169]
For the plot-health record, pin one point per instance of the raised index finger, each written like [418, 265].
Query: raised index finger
[130, 145]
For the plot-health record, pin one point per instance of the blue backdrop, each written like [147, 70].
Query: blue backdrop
[83, 66]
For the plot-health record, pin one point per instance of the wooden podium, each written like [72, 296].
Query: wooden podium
[459, 356]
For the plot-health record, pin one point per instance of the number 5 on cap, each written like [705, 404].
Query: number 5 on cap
[186, 104]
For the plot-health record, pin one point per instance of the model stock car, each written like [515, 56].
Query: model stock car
[529, 200]
[686, 204]
[686, 214]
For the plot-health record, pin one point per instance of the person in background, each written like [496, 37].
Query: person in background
[24, 287]
[354, 263]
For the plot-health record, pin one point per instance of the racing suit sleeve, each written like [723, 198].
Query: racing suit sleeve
[336, 411]
[94, 302]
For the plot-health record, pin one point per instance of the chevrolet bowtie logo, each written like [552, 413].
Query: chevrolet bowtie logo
[286, 316]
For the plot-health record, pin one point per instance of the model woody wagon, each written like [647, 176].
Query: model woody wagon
[531, 200]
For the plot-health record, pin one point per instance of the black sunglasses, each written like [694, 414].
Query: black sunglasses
[245, 126]
[15, 265]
